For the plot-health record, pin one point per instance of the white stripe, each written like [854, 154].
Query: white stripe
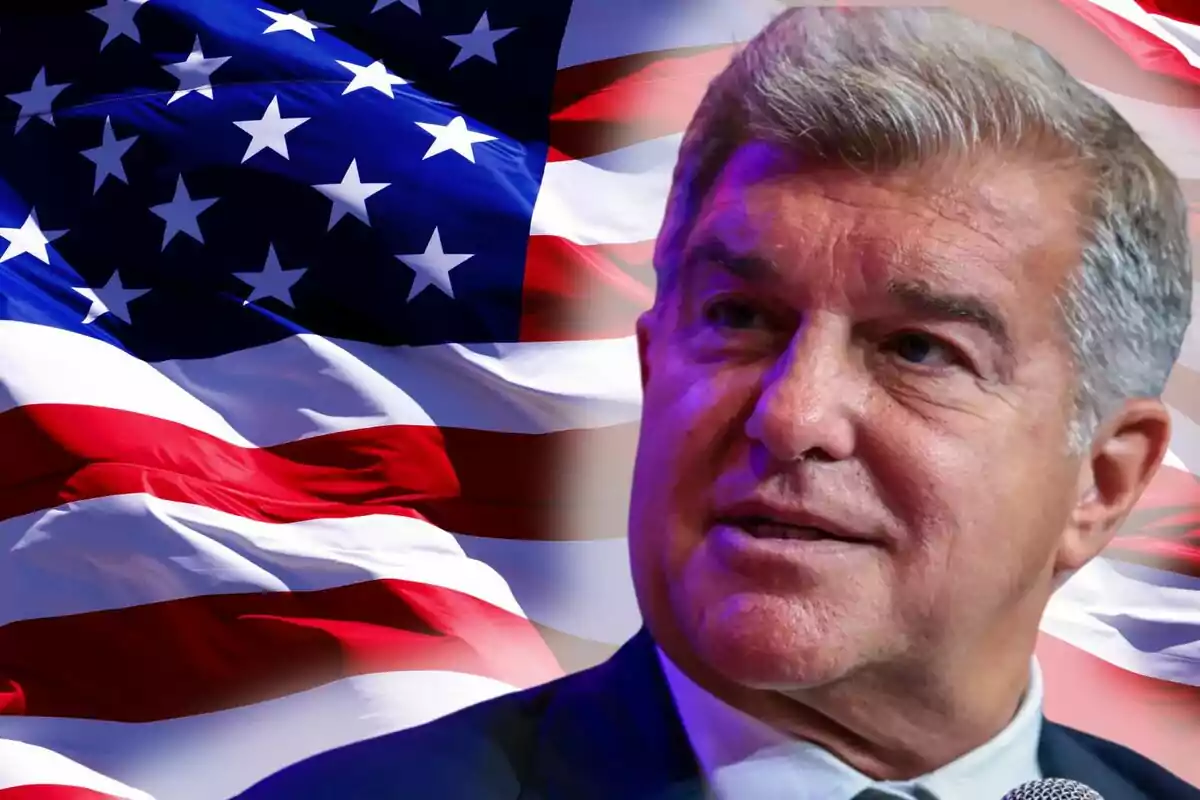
[1159, 612]
[307, 385]
[621, 196]
[1189, 354]
[23, 764]
[1186, 35]
[1172, 460]
[128, 550]
[1185, 442]
[215, 756]
[603, 29]
[614, 198]
[1159, 26]
[581, 588]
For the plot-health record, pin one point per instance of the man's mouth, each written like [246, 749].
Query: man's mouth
[767, 528]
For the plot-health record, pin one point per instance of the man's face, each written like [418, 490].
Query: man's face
[853, 446]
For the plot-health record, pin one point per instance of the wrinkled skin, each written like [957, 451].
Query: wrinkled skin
[886, 353]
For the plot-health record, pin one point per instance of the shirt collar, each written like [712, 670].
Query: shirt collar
[743, 757]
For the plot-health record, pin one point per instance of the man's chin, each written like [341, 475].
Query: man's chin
[764, 649]
[785, 671]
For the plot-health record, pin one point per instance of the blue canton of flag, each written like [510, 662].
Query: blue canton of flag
[185, 179]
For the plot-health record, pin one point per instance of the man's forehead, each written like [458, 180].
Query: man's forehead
[1008, 186]
[857, 264]
[938, 224]
[778, 232]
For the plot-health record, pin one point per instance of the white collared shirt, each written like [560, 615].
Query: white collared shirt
[745, 759]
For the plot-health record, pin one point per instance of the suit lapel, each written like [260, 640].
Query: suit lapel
[1061, 755]
[632, 744]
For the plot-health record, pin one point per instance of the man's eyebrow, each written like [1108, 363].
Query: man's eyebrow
[920, 298]
[916, 297]
[712, 250]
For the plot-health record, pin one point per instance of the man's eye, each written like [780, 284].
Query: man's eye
[923, 350]
[734, 313]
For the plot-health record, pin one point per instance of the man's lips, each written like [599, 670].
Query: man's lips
[762, 547]
[768, 528]
[763, 520]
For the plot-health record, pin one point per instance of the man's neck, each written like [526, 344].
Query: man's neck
[894, 723]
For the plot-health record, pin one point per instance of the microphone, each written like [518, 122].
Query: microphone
[1053, 789]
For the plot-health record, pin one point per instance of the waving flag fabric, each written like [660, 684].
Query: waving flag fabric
[317, 385]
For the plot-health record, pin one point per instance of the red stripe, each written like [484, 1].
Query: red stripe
[466, 481]
[1157, 718]
[1181, 10]
[605, 105]
[575, 292]
[1164, 529]
[204, 654]
[52, 792]
[1147, 50]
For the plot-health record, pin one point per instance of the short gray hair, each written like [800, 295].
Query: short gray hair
[884, 88]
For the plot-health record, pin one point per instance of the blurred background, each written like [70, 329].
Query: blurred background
[318, 396]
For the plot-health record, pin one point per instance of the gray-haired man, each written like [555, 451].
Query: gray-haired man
[919, 293]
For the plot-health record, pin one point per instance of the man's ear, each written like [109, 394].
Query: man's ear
[1125, 455]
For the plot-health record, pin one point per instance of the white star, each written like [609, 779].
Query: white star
[37, 100]
[454, 136]
[373, 76]
[479, 42]
[292, 22]
[381, 4]
[349, 196]
[182, 214]
[432, 268]
[118, 16]
[272, 280]
[28, 238]
[195, 73]
[107, 157]
[111, 298]
[271, 131]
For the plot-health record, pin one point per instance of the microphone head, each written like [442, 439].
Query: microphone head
[1053, 789]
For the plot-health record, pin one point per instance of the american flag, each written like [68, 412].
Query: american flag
[317, 387]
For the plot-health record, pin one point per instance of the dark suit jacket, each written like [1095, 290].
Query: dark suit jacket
[610, 733]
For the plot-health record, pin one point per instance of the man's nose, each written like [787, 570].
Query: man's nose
[806, 405]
